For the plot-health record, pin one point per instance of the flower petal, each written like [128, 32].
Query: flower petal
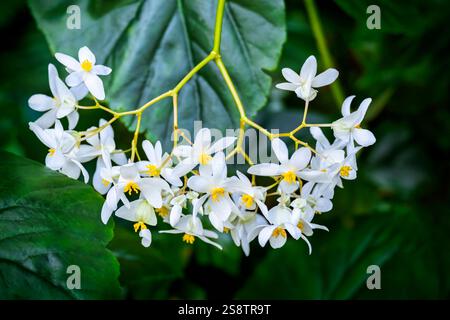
[95, 85]
[281, 150]
[364, 137]
[101, 70]
[68, 61]
[41, 102]
[286, 86]
[325, 78]
[309, 68]
[86, 54]
[291, 76]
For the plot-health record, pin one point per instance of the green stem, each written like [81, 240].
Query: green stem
[316, 26]
[218, 27]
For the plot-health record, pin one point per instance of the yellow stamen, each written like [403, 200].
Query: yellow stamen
[140, 225]
[131, 187]
[217, 193]
[162, 212]
[86, 65]
[51, 151]
[300, 225]
[247, 200]
[226, 230]
[358, 126]
[188, 238]
[105, 182]
[289, 177]
[204, 158]
[153, 170]
[345, 171]
[279, 232]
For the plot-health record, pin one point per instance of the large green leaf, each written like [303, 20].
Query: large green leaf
[151, 45]
[49, 222]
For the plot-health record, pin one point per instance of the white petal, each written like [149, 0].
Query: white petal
[71, 170]
[264, 169]
[129, 213]
[73, 119]
[47, 119]
[325, 78]
[52, 76]
[41, 102]
[202, 139]
[95, 85]
[80, 91]
[68, 61]
[363, 109]
[74, 78]
[86, 54]
[290, 75]
[106, 213]
[309, 68]
[101, 70]
[222, 144]
[286, 86]
[323, 205]
[345, 110]
[300, 158]
[146, 236]
[277, 242]
[281, 150]
[265, 234]
[363, 137]
[199, 184]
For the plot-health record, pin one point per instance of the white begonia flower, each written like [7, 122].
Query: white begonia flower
[130, 182]
[62, 150]
[348, 128]
[304, 83]
[243, 225]
[159, 164]
[201, 151]
[103, 147]
[215, 184]
[302, 219]
[289, 168]
[139, 211]
[62, 104]
[280, 220]
[106, 178]
[192, 227]
[180, 202]
[85, 72]
[314, 200]
[249, 196]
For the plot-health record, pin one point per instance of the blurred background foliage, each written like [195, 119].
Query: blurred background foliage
[396, 215]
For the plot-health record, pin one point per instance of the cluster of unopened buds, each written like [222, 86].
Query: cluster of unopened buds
[190, 187]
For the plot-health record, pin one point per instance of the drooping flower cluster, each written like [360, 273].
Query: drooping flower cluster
[189, 190]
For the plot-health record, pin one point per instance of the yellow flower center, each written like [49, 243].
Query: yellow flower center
[279, 232]
[51, 152]
[153, 170]
[86, 65]
[162, 212]
[188, 238]
[139, 225]
[289, 177]
[217, 193]
[105, 182]
[204, 158]
[345, 171]
[358, 126]
[247, 200]
[131, 187]
[226, 230]
[300, 225]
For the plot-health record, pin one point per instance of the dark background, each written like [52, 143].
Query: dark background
[396, 215]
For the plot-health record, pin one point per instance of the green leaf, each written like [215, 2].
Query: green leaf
[335, 270]
[49, 222]
[148, 273]
[151, 45]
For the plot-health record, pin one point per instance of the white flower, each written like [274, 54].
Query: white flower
[304, 82]
[280, 221]
[159, 164]
[139, 211]
[85, 72]
[302, 219]
[62, 104]
[201, 151]
[249, 196]
[130, 182]
[289, 168]
[243, 225]
[312, 200]
[62, 151]
[103, 147]
[192, 227]
[348, 128]
[214, 183]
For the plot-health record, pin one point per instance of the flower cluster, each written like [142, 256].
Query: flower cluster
[190, 189]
